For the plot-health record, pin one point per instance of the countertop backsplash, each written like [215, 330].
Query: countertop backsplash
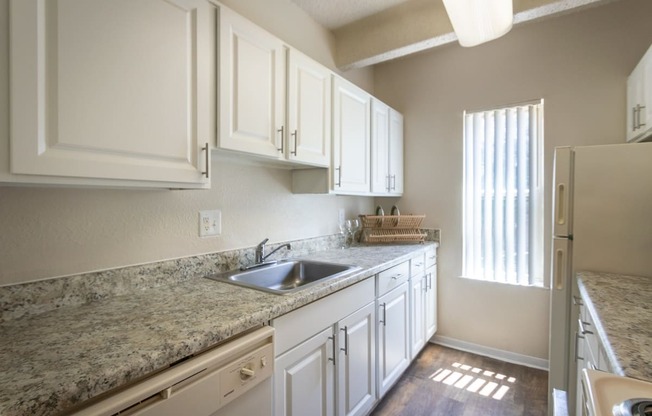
[26, 299]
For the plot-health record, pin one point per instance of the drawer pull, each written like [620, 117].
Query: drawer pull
[577, 339]
[333, 340]
[384, 320]
[396, 276]
[346, 340]
[577, 301]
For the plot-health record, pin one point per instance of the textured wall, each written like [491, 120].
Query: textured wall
[47, 232]
[578, 63]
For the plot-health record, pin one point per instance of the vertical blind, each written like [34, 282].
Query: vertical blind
[503, 199]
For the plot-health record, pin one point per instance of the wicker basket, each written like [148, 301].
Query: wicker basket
[392, 228]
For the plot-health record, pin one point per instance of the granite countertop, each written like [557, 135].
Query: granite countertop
[620, 306]
[55, 360]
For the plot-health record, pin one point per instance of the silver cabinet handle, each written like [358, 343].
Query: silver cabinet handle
[638, 117]
[282, 131]
[333, 343]
[393, 182]
[577, 339]
[396, 276]
[207, 150]
[577, 301]
[580, 324]
[294, 134]
[634, 118]
[429, 281]
[339, 176]
[346, 340]
[384, 320]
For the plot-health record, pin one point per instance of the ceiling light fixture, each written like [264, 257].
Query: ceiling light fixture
[479, 21]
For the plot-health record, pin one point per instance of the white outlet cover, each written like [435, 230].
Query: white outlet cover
[210, 223]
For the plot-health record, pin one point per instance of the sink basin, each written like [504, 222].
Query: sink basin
[285, 276]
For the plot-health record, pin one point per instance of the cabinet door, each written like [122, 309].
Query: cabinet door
[351, 138]
[380, 132]
[430, 302]
[252, 87]
[635, 98]
[357, 362]
[395, 152]
[132, 105]
[304, 378]
[417, 326]
[308, 138]
[393, 337]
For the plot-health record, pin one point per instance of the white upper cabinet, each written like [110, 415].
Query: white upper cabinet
[112, 91]
[309, 111]
[639, 100]
[386, 150]
[351, 138]
[274, 101]
[380, 178]
[252, 87]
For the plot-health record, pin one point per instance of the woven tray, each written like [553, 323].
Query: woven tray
[392, 228]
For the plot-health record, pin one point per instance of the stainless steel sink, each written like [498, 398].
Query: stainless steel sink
[285, 276]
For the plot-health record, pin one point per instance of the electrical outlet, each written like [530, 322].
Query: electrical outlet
[341, 216]
[210, 223]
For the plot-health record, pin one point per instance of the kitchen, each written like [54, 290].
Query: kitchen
[577, 62]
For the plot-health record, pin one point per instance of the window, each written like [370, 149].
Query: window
[503, 194]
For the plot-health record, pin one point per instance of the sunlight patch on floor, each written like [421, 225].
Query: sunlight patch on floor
[462, 376]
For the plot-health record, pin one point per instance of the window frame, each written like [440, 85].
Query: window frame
[535, 208]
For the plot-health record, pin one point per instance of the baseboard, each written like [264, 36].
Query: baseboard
[510, 357]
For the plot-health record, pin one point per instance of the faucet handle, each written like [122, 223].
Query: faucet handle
[262, 243]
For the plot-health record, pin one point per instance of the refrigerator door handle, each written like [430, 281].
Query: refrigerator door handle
[560, 217]
[559, 268]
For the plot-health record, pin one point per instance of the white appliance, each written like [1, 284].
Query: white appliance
[602, 221]
[233, 379]
[611, 395]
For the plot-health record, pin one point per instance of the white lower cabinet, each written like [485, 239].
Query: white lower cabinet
[423, 298]
[340, 358]
[356, 364]
[304, 378]
[393, 337]
[340, 354]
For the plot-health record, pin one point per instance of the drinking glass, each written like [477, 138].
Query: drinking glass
[352, 226]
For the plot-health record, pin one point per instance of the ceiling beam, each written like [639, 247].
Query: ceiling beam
[418, 25]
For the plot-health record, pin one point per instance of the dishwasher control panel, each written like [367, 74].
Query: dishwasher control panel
[244, 373]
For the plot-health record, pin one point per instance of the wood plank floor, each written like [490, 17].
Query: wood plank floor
[445, 382]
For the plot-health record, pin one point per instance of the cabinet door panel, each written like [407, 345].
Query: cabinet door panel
[431, 302]
[309, 107]
[304, 378]
[380, 176]
[252, 87]
[417, 328]
[356, 368]
[393, 337]
[351, 138]
[132, 105]
[395, 152]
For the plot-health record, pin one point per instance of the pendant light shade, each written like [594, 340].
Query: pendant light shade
[479, 21]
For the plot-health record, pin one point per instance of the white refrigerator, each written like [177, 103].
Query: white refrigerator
[602, 221]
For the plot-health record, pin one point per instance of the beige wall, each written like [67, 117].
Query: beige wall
[578, 63]
[47, 232]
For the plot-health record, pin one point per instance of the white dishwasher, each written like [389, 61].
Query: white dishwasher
[232, 379]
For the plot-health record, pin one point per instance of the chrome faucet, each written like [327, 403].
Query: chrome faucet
[260, 251]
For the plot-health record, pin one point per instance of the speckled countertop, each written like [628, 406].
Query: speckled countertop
[620, 306]
[54, 360]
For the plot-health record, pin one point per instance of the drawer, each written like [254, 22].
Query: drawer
[392, 277]
[418, 265]
[431, 257]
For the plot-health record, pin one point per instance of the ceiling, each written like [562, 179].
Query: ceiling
[369, 32]
[333, 14]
